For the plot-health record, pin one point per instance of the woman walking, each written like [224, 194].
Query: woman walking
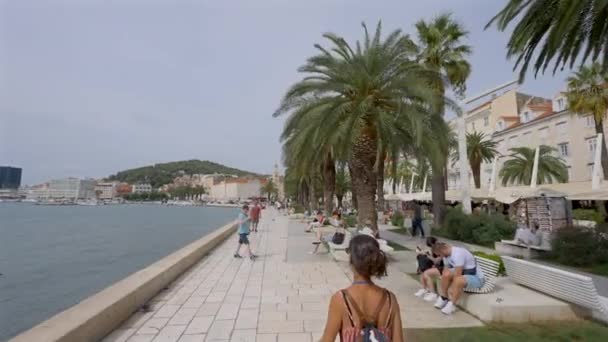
[364, 311]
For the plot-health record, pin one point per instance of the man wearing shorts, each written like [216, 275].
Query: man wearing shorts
[243, 232]
[460, 271]
[254, 214]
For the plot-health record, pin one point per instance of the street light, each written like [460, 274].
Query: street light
[462, 145]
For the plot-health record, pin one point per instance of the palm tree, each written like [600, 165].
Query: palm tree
[554, 30]
[479, 149]
[518, 169]
[342, 184]
[269, 188]
[355, 98]
[587, 95]
[442, 51]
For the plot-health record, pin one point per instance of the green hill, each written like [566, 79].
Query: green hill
[161, 174]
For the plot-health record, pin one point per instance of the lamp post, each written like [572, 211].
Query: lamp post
[462, 145]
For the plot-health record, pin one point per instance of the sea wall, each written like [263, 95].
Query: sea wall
[100, 314]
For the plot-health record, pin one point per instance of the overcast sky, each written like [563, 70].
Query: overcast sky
[91, 87]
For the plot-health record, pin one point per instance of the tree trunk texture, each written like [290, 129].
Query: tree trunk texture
[380, 180]
[394, 173]
[438, 188]
[339, 198]
[353, 192]
[329, 184]
[312, 198]
[599, 128]
[476, 168]
[364, 152]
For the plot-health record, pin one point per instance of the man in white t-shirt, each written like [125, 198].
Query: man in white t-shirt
[460, 271]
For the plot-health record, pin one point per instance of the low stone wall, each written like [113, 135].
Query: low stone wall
[100, 314]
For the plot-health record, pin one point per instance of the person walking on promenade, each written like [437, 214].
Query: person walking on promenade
[255, 213]
[243, 232]
[364, 310]
[417, 221]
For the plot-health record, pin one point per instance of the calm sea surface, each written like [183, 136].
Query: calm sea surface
[52, 257]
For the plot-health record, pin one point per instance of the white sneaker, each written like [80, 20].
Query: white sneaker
[421, 293]
[440, 303]
[430, 297]
[449, 308]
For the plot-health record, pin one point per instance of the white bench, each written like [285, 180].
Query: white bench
[568, 286]
[338, 251]
[490, 272]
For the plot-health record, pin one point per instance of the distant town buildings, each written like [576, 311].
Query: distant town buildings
[106, 190]
[236, 188]
[10, 177]
[71, 188]
[141, 188]
[278, 181]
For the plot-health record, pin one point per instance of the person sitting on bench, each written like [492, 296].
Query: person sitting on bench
[336, 222]
[460, 271]
[316, 222]
[430, 267]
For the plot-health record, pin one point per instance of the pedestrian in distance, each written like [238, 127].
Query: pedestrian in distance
[243, 232]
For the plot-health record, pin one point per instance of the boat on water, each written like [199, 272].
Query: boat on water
[89, 202]
[56, 202]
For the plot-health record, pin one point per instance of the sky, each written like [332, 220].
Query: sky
[89, 88]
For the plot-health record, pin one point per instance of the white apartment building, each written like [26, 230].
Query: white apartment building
[236, 188]
[141, 188]
[105, 191]
[72, 188]
[514, 119]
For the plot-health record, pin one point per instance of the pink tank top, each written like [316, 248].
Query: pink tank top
[352, 333]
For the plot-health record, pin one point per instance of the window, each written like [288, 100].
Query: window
[526, 117]
[590, 170]
[473, 126]
[589, 122]
[563, 149]
[500, 125]
[591, 144]
[562, 128]
[543, 133]
[486, 121]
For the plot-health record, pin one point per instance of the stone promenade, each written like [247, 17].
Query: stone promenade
[281, 296]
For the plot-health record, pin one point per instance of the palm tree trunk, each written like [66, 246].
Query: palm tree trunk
[380, 180]
[599, 128]
[353, 191]
[329, 184]
[339, 197]
[364, 152]
[394, 173]
[476, 168]
[438, 196]
[312, 198]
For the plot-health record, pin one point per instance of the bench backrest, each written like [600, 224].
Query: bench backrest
[488, 267]
[568, 286]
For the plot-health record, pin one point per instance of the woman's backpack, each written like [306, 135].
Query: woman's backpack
[370, 332]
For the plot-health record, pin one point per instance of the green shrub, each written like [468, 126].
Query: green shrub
[397, 219]
[493, 257]
[580, 246]
[481, 229]
[299, 209]
[350, 220]
[588, 215]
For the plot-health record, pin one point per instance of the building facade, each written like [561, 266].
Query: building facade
[519, 120]
[236, 189]
[141, 188]
[10, 177]
[106, 190]
[71, 188]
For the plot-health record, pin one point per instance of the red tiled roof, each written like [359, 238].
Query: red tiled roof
[480, 106]
[542, 116]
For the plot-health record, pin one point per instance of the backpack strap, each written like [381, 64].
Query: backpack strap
[358, 311]
[379, 307]
[390, 310]
[350, 314]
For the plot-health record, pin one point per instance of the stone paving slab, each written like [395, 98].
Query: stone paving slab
[281, 296]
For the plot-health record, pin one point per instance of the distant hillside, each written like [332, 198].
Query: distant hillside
[161, 174]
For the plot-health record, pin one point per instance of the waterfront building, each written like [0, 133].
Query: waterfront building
[106, 190]
[123, 189]
[236, 189]
[38, 192]
[514, 120]
[141, 188]
[279, 182]
[10, 177]
[72, 188]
